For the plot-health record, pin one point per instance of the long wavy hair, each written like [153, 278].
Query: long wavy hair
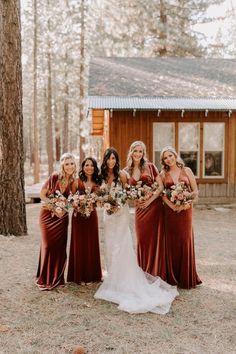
[95, 177]
[63, 158]
[104, 167]
[143, 161]
[179, 161]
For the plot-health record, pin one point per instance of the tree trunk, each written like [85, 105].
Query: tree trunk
[34, 108]
[82, 80]
[57, 132]
[12, 196]
[66, 112]
[163, 30]
[49, 117]
[49, 102]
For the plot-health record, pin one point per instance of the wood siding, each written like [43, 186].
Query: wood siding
[127, 126]
[97, 122]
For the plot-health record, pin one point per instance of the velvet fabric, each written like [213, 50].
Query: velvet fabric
[84, 259]
[52, 258]
[181, 267]
[149, 225]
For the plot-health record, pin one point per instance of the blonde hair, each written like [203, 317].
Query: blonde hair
[144, 159]
[179, 161]
[63, 158]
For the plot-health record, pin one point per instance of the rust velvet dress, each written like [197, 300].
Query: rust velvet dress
[52, 258]
[149, 226]
[181, 268]
[84, 260]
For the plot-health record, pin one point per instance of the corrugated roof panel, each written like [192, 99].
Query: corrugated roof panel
[167, 103]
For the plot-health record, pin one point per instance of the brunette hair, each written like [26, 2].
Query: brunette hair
[104, 167]
[95, 177]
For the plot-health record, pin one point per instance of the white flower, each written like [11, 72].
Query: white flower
[107, 206]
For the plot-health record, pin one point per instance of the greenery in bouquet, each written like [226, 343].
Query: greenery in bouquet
[57, 203]
[179, 194]
[83, 202]
[111, 198]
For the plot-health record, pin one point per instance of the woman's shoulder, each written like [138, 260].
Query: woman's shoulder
[124, 173]
[187, 170]
[123, 176]
[150, 166]
[163, 174]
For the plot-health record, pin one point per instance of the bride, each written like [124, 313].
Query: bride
[126, 284]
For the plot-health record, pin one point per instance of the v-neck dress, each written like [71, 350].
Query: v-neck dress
[181, 267]
[52, 258]
[149, 226]
[84, 259]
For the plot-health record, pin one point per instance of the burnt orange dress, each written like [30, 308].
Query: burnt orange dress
[84, 259]
[52, 257]
[181, 268]
[149, 225]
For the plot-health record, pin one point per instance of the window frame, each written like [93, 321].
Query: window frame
[200, 119]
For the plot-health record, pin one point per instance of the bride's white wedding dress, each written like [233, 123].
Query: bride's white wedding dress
[126, 284]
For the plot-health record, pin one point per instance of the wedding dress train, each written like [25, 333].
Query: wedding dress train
[126, 284]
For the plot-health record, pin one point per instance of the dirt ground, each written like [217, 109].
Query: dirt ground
[201, 320]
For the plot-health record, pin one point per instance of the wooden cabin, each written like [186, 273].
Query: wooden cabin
[186, 103]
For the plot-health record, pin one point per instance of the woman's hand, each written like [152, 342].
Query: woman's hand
[59, 213]
[143, 204]
[179, 208]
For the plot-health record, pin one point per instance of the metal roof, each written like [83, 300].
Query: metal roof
[164, 103]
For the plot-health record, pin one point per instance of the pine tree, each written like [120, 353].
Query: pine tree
[12, 200]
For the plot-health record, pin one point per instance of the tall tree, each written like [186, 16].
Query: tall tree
[49, 100]
[34, 103]
[12, 200]
[149, 28]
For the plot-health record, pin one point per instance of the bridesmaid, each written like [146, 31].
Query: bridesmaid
[181, 268]
[52, 258]
[84, 260]
[148, 214]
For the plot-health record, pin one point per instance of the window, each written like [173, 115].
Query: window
[189, 145]
[196, 142]
[213, 150]
[163, 134]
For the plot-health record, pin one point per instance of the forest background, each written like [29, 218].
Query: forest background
[47, 47]
[52, 46]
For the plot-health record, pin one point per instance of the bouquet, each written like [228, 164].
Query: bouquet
[83, 202]
[111, 198]
[141, 191]
[57, 203]
[179, 194]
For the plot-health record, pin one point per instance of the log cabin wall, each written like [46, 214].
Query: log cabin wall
[128, 126]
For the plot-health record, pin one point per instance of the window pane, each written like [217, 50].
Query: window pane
[189, 145]
[188, 136]
[213, 158]
[213, 163]
[163, 135]
[214, 136]
[190, 160]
